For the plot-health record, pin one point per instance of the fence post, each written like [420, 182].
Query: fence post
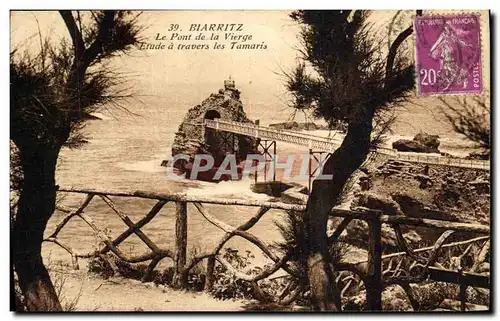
[373, 281]
[209, 276]
[462, 290]
[180, 277]
[309, 167]
[274, 161]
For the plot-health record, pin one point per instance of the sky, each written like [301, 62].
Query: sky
[156, 70]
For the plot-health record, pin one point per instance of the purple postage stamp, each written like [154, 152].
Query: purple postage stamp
[448, 54]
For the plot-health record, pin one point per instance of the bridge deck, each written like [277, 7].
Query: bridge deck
[325, 144]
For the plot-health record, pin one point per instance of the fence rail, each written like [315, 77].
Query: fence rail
[331, 144]
[376, 272]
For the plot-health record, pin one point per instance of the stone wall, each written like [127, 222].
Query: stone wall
[422, 191]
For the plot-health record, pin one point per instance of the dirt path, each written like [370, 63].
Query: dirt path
[80, 291]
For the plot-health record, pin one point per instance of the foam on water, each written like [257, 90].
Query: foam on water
[149, 166]
[228, 189]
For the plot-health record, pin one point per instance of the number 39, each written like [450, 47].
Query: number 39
[173, 27]
[429, 76]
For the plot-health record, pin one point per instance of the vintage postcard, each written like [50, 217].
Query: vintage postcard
[221, 161]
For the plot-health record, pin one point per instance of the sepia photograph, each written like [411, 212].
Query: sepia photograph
[250, 161]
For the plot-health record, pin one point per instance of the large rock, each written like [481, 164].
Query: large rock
[191, 140]
[377, 202]
[432, 191]
[421, 143]
[394, 298]
[356, 234]
[406, 145]
[429, 141]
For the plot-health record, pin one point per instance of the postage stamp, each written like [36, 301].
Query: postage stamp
[448, 54]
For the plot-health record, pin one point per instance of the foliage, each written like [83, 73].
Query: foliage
[478, 296]
[430, 296]
[294, 245]
[227, 285]
[100, 266]
[292, 230]
[343, 68]
[196, 276]
[60, 277]
[398, 23]
[109, 265]
[294, 242]
[16, 173]
[48, 106]
[470, 116]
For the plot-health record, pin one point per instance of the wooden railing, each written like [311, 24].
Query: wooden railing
[377, 272]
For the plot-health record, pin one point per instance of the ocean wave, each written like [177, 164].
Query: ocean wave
[149, 166]
[228, 189]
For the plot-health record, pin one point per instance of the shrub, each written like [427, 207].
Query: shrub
[227, 285]
[431, 295]
[294, 244]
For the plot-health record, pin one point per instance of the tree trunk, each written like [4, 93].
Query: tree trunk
[324, 195]
[35, 207]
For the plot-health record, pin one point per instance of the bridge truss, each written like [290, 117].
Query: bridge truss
[329, 145]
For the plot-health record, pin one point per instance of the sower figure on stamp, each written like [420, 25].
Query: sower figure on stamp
[447, 49]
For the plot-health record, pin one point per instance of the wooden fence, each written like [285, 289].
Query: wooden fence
[377, 272]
